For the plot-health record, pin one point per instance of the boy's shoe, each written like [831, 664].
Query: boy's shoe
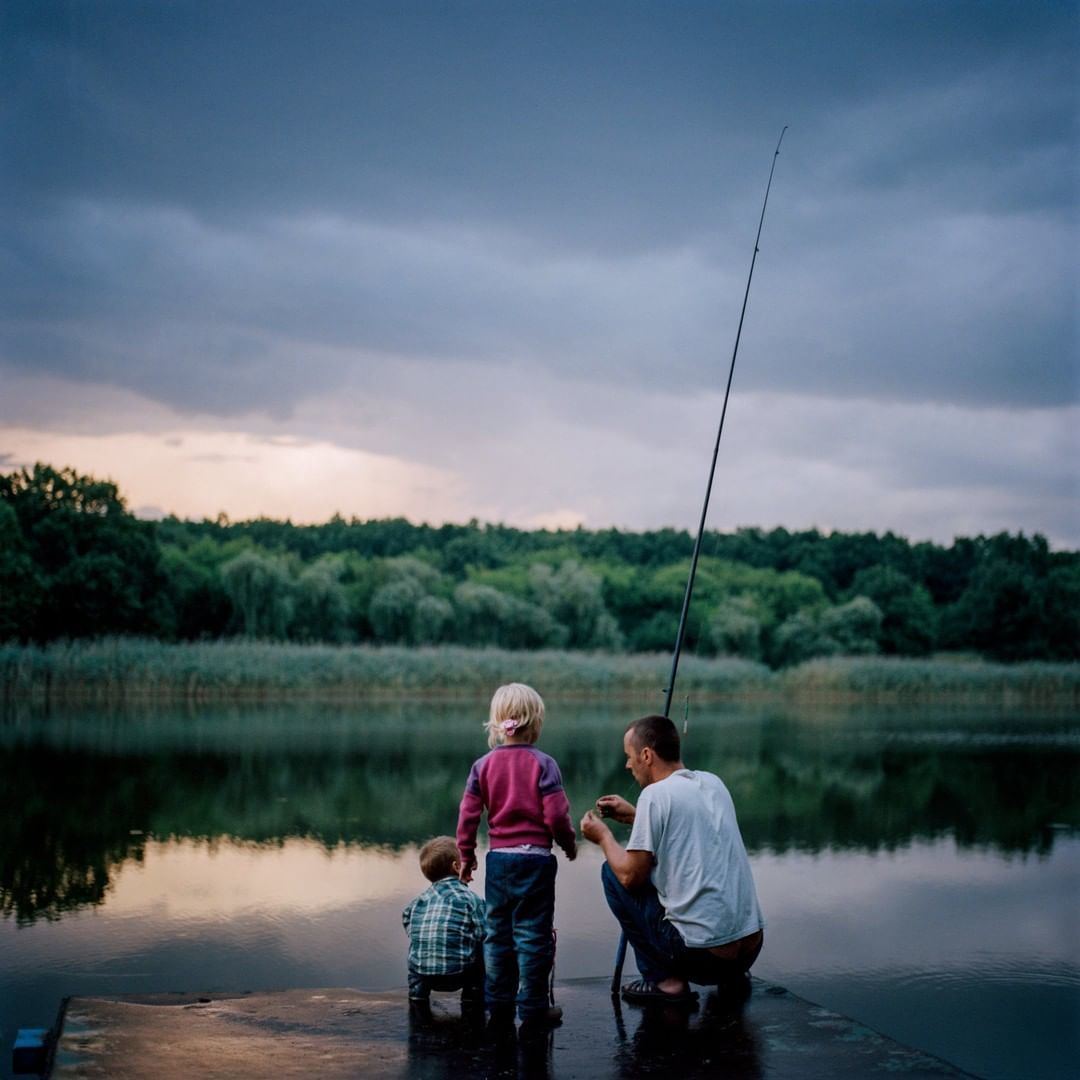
[420, 1011]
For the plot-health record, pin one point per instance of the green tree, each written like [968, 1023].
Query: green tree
[197, 595]
[409, 607]
[749, 604]
[360, 579]
[1001, 612]
[648, 609]
[471, 548]
[97, 568]
[393, 610]
[412, 568]
[854, 626]
[22, 586]
[485, 616]
[1061, 612]
[656, 633]
[735, 628]
[432, 619]
[261, 590]
[573, 596]
[801, 637]
[321, 607]
[849, 629]
[909, 621]
[73, 561]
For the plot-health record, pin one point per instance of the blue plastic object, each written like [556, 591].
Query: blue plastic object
[28, 1053]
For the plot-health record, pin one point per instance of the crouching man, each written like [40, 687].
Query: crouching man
[681, 889]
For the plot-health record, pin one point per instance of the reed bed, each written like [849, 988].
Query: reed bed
[121, 669]
[889, 679]
[117, 670]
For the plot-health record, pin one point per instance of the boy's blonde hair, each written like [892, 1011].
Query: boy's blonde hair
[518, 702]
[437, 858]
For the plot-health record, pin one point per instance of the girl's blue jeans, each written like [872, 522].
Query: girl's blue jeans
[519, 946]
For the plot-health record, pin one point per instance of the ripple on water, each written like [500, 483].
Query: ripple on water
[985, 974]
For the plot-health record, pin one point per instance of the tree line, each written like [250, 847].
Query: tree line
[74, 562]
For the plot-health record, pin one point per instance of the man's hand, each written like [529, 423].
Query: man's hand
[592, 828]
[615, 806]
[632, 868]
[465, 870]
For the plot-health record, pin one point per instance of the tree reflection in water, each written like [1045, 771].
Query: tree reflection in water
[83, 791]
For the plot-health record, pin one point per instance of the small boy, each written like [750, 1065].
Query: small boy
[445, 924]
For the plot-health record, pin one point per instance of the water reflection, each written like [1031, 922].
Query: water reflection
[675, 1042]
[919, 869]
[450, 1046]
[599, 1038]
[85, 792]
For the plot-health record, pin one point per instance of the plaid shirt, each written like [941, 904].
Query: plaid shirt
[445, 924]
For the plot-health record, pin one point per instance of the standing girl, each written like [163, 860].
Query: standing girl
[521, 789]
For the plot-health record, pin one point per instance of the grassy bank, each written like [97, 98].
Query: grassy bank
[123, 669]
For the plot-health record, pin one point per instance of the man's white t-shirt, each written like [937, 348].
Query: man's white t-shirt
[701, 870]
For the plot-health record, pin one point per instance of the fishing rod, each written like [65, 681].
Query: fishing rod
[681, 635]
[669, 690]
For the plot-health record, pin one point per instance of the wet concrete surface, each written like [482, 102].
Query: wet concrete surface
[760, 1032]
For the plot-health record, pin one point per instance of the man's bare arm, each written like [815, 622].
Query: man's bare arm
[632, 868]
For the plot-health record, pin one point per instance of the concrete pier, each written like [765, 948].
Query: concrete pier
[765, 1033]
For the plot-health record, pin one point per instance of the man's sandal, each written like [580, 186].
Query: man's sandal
[644, 992]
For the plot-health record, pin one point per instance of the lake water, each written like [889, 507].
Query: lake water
[919, 869]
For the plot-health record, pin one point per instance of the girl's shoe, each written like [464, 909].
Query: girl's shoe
[549, 1017]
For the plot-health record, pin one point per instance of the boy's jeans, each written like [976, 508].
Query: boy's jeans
[519, 947]
[470, 982]
[658, 947]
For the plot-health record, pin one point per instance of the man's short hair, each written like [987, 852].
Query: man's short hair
[437, 858]
[659, 734]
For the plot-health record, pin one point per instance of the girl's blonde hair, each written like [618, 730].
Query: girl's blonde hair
[515, 702]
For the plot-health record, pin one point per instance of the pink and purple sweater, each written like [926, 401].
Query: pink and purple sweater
[521, 788]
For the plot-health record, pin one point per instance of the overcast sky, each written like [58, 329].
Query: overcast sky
[453, 260]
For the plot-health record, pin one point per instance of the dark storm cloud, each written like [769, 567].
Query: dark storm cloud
[205, 319]
[229, 206]
[638, 115]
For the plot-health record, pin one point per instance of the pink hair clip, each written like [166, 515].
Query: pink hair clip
[510, 726]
